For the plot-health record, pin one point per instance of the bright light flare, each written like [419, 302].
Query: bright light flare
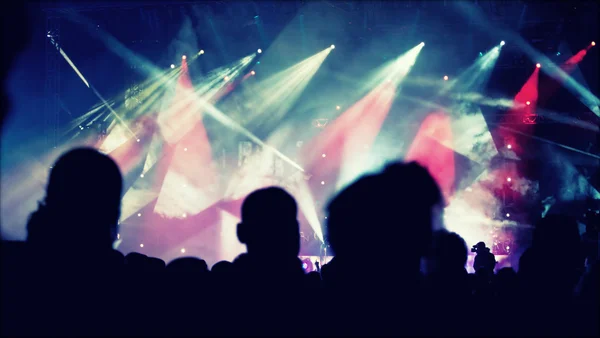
[474, 78]
[272, 97]
[538, 65]
[445, 77]
[253, 72]
[502, 43]
[394, 71]
[593, 43]
[332, 47]
[201, 52]
[172, 66]
[259, 51]
[184, 57]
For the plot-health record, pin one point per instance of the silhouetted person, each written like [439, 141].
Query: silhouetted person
[82, 206]
[222, 267]
[554, 262]
[270, 274]
[446, 265]
[548, 273]
[485, 261]
[382, 223]
[70, 259]
[188, 305]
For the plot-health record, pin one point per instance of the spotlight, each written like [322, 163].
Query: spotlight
[508, 179]
[138, 140]
[538, 65]
[507, 215]
[253, 72]
[172, 66]
[182, 250]
[593, 43]
[502, 43]
[422, 43]
[324, 155]
[528, 103]
[332, 47]
[226, 78]
[184, 149]
[118, 236]
[509, 146]
[322, 182]
[184, 57]
[445, 77]
[259, 51]
[139, 215]
[142, 245]
[184, 215]
[201, 52]
[338, 107]
[142, 175]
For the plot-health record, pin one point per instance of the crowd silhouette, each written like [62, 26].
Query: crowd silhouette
[391, 274]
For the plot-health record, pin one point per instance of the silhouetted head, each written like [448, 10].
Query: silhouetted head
[391, 213]
[269, 225]
[187, 265]
[156, 264]
[82, 205]
[554, 258]
[136, 262]
[449, 251]
[222, 268]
